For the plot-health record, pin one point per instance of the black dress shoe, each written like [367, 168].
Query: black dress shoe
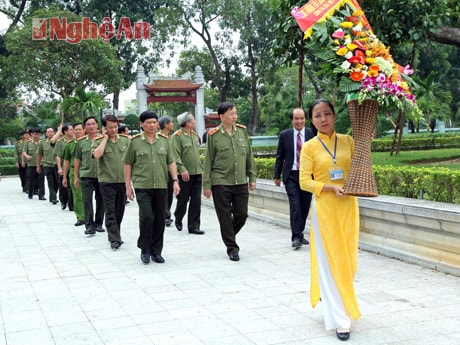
[296, 244]
[234, 257]
[344, 336]
[115, 244]
[168, 221]
[158, 258]
[179, 226]
[99, 228]
[71, 209]
[304, 241]
[63, 206]
[30, 197]
[54, 202]
[42, 198]
[196, 232]
[79, 222]
[145, 257]
[90, 232]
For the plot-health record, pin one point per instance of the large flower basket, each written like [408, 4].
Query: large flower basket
[360, 180]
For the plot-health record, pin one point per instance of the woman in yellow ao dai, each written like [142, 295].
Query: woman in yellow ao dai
[334, 220]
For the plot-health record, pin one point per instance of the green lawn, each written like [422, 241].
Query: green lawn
[449, 158]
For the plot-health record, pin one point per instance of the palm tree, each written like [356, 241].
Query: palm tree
[81, 105]
[44, 114]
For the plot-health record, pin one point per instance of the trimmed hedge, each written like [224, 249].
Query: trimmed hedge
[8, 170]
[6, 152]
[439, 142]
[436, 184]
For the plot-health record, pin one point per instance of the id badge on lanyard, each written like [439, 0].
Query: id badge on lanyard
[335, 173]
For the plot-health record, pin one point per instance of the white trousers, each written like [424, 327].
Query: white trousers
[335, 315]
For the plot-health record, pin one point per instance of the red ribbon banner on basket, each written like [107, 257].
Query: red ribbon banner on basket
[320, 10]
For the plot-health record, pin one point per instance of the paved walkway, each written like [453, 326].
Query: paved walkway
[58, 286]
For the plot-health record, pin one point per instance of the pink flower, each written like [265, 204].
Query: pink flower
[408, 70]
[339, 33]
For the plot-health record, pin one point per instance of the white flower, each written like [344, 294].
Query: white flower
[385, 66]
[345, 65]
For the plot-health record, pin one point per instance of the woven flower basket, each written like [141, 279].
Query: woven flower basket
[360, 180]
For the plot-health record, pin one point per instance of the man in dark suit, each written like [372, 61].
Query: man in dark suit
[287, 163]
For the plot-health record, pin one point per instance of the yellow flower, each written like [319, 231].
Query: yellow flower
[336, 42]
[373, 71]
[370, 60]
[404, 85]
[358, 13]
[346, 25]
[342, 51]
[351, 46]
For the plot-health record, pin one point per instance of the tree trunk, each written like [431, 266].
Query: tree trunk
[450, 36]
[301, 61]
[397, 137]
[116, 100]
[255, 98]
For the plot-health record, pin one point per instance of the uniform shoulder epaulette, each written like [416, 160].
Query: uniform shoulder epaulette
[135, 136]
[61, 138]
[213, 131]
[83, 137]
[163, 135]
[178, 132]
[123, 135]
[99, 137]
[27, 140]
[240, 125]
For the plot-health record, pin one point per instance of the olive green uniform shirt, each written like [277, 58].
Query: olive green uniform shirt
[149, 162]
[59, 147]
[69, 149]
[229, 159]
[83, 152]
[187, 152]
[18, 149]
[32, 150]
[110, 167]
[46, 151]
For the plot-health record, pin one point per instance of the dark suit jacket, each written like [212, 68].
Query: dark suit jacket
[285, 152]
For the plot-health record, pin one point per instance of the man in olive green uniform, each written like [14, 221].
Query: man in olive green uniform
[46, 159]
[18, 148]
[229, 163]
[86, 173]
[109, 149]
[68, 175]
[167, 128]
[186, 145]
[65, 193]
[147, 161]
[34, 173]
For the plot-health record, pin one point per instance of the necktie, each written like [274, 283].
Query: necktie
[298, 148]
